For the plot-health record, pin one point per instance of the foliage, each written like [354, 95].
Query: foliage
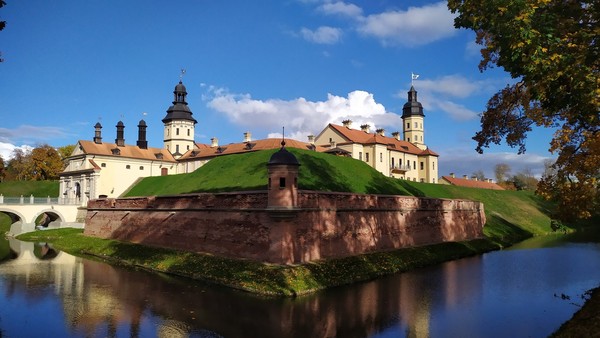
[551, 48]
[2, 24]
[46, 163]
[2, 169]
[65, 152]
[27, 188]
[318, 171]
[41, 163]
[501, 171]
[479, 174]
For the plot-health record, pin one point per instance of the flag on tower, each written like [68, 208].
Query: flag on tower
[414, 76]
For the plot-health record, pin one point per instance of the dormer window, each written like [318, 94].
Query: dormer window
[116, 151]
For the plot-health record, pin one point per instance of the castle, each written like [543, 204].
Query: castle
[103, 169]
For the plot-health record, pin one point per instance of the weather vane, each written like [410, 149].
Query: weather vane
[181, 75]
[413, 77]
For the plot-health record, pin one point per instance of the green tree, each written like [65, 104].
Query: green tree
[551, 49]
[19, 166]
[46, 163]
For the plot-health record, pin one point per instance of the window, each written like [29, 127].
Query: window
[177, 148]
[392, 162]
[421, 180]
[367, 157]
[188, 147]
[422, 165]
[360, 155]
[141, 167]
[415, 164]
[103, 165]
[380, 157]
[188, 132]
[409, 139]
[269, 183]
[416, 125]
[408, 125]
[400, 162]
[128, 167]
[282, 182]
[434, 180]
[433, 165]
[177, 131]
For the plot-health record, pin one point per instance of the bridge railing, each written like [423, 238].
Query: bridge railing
[38, 200]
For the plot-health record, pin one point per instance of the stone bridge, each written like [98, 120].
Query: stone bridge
[28, 213]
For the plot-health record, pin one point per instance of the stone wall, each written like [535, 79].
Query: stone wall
[325, 225]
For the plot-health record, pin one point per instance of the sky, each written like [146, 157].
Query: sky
[252, 66]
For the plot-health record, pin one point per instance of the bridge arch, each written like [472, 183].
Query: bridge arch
[51, 215]
[14, 215]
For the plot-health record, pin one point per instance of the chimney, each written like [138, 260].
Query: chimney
[98, 133]
[365, 128]
[452, 175]
[474, 178]
[380, 132]
[141, 142]
[466, 177]
[214, 142]
[120, 140]
[311, 139]
[396, 135]
[247, 137]
[347, 123]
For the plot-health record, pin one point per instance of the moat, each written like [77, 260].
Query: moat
[526, 291]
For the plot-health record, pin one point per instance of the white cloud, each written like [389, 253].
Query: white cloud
[302, 117]
[452, 85]
[31, 133]
[6, 150]
[341, 8]
[323, 35]
[414, 27]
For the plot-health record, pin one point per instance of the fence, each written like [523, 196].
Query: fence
[38, 200]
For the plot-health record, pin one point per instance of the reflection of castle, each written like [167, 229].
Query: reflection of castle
[98, 168]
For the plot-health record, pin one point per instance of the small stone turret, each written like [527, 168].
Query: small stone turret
[283, 181]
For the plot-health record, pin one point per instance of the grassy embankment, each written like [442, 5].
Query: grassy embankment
[512, 216]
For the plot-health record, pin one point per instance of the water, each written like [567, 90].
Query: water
[522, 292]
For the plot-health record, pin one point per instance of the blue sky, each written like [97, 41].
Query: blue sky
[250, 66]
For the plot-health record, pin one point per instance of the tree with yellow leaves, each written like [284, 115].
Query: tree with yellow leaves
[551, 49]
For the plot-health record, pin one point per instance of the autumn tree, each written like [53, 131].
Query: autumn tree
[2, 168]
[19, 166]
[46, 163]
[478, 175]
[551, 49]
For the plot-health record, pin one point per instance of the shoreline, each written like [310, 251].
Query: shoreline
[255, 277]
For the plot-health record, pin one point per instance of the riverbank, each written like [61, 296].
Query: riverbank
[255, 277]
[586, 321]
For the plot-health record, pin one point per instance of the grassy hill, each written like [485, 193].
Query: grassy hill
[26, 188]
[248, 171]
[511, 215]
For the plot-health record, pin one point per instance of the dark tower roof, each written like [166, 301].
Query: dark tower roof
[179, 110]
[412, 107]
[283, 157]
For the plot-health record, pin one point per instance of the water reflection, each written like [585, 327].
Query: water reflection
[499, 294]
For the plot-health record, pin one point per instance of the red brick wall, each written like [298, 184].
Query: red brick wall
[326, 225]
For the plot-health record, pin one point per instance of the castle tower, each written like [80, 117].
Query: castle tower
[283, 180]
[412, 117]
[179, 124]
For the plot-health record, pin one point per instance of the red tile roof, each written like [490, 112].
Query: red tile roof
[130, 151]
[205, 151]
[463, 182]
[361, 137]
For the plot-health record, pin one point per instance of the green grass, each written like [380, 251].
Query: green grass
[27, 188]
[248, 171]
[4, 227]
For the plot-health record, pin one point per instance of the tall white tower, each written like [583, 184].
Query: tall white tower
[412, 118]
[179, 124]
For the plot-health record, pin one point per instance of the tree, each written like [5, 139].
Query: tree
[2, 168]
[19, 166]
[501, 171]
[479, 175]
[552, 50]
[2, 24]
[46, 163]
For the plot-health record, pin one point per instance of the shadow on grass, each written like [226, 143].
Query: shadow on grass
[412, 189]
[380, 184]
[504, 232]
[327, 179]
